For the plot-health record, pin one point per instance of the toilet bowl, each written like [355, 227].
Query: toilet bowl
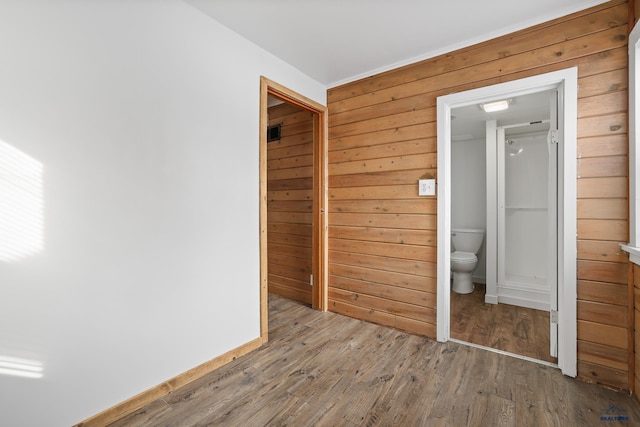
[463, 265]
[465, 244]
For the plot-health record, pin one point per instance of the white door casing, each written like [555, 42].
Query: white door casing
[566, 81]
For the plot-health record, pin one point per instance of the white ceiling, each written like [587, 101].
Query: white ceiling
[336, 41]
[469, 123]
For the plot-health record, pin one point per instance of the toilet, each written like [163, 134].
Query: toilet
[465, 244]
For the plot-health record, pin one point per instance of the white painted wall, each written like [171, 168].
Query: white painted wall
[469, 192]
[143, 117]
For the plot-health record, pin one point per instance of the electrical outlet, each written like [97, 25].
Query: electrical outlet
[427, 187]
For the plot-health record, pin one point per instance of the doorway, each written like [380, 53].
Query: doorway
[565, 83]
[504, 172]
[289, 201]
[314, 193]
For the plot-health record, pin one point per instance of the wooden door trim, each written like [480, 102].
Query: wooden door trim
[320, 133]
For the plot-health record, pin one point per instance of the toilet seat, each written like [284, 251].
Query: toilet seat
[463, 257]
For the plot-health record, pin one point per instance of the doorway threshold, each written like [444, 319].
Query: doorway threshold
[506, 353]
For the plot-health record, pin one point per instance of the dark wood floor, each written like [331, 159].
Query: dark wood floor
[324, 369]
[518, 330]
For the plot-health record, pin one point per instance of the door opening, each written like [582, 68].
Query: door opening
[289, 201]
[291, 214]
[565, 82]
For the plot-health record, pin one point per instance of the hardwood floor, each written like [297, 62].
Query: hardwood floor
[324, 369]
[518, 330]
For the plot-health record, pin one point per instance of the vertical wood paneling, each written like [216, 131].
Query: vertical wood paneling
[290, 203]
[382, 133]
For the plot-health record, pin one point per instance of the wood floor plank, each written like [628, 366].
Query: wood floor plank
[324, 369]
[518, 330]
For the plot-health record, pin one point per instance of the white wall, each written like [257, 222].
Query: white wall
[469, 192]
[143, 117]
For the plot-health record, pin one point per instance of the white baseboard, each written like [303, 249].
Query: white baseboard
[490, 299]
[522, 302]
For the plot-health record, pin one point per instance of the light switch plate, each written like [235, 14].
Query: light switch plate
[426, 187]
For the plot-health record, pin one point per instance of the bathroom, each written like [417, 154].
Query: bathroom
[502, 181]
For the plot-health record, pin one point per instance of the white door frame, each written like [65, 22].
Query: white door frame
[567, 83]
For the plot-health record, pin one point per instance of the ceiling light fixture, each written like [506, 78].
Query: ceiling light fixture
[492, 107]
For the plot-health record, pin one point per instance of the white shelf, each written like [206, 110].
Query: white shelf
[526, 208]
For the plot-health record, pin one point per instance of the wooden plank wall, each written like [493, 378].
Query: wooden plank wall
[290, 203]
[382, 138]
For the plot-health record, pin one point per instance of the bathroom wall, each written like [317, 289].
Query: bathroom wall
[469, 192]
[133, 126]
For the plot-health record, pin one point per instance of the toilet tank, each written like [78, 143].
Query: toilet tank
[467, 239]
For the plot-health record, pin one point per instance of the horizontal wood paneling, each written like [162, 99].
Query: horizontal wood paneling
[610, 293]
[290, 203]
[393, 293]
[612, 272]
[594, 105]
[612, 81]
[601, 251]
[603, 355]
[402, 251]
[285, 229]
[304, 194]
[603, 146]
[289, 184]
[382, 318]
[384, 277]
[383, 139]
[603, 188]
[411, 237]
[406, 177]
[603, 229]
[603, 208]
[413, 161]
[291, 206]
[424, 130]
[603, 166]
[410, 221]
[604, 313]
[375, 193]
[599, 125]
[398, 308]
[398, 206]
[416, 146]
[386, 263]
[603, 374]
[614, 336]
